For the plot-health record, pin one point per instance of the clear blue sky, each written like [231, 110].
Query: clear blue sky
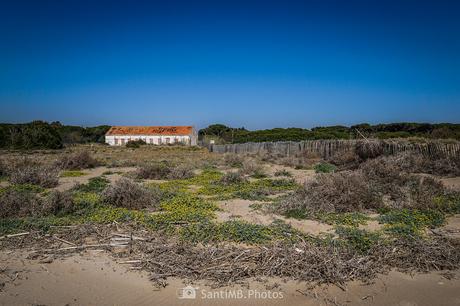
[257, 64]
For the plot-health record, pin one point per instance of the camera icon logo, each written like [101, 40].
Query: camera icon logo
[187, 292]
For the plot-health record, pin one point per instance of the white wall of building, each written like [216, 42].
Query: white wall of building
[115, 140]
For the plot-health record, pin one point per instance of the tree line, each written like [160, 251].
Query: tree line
[223, 134]
[44, 135]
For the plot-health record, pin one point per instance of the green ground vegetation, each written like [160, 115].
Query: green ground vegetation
[72, 173]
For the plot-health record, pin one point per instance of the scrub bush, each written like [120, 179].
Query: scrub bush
[325, 168]
[77, 161]
[128, 194]
[19, 203]
[28, 172]
[58, 203]
[135, 143]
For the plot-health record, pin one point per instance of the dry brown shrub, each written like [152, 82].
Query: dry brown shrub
[251, 167]
[180, 172]
[158, 171]
[77, 161]
[422, 192]
[418, 163]
[369, 149]
[390, 176]
[3, 168]
[127, 193]
[335, 192]
[14, 203]
[163, 171]
[378, 183]
[25, 171]
[345, 160]
[58, 203]
[412, 162]
[233, 160]
[385, 174]
[448, 166]
[231, 178]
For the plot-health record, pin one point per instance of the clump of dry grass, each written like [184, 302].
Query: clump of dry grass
[77, 161]
[25, 171]
[15, 203]
[127, 193]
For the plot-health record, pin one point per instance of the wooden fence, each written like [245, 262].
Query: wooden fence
[327, 148]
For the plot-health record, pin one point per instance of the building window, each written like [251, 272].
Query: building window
[116, 141]
[167, 140]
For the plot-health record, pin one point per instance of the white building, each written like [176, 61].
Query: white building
[155, 135]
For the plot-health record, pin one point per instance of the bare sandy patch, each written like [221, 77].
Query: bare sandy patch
[4, 183]
[241, 209]
[301, 176]
[371, 226]
[452, 227]
[451, 182]
[152, 181]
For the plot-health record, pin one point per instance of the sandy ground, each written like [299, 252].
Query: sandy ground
[452, 227]
[241, 209]
[66, 183]
[451, 182]
[299, 175]
[94, 278]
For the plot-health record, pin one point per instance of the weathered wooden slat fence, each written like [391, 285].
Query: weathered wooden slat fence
[326, 148]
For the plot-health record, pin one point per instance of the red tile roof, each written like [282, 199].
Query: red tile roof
[150, 130]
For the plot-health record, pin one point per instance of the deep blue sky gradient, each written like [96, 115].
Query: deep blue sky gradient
[257, 64]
